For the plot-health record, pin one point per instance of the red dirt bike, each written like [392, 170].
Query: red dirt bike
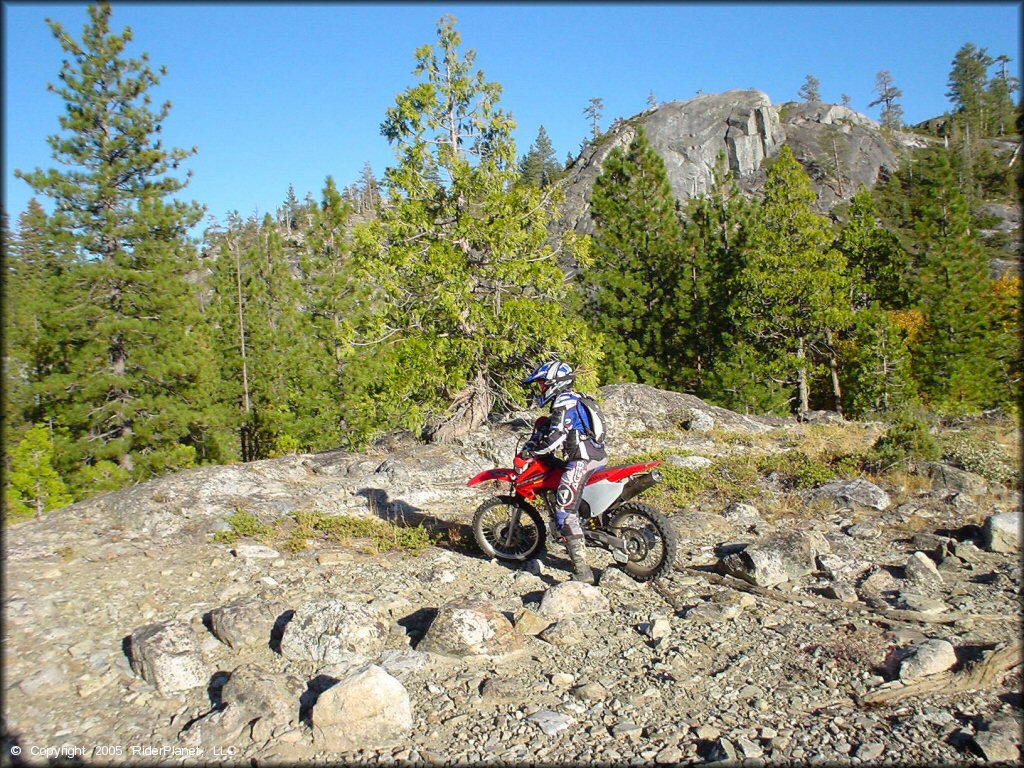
[639, 537]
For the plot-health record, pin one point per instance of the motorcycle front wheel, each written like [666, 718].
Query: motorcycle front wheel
[508, 528]
[650, 540]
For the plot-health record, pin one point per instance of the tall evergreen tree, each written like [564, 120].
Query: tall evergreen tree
[538, 166]
[953, 358]
[715, 233]
[639, 303]
[139, 352]
[876, 262]
[1000, 98]
[792, 293]
[811, 89]
[593, 112]
[967, 85]
[464, 277]
[888, 93]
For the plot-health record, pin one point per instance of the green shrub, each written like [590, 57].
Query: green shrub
[796, 469]
[908, 437]
[383, 535]
[243, 525]
[977, 454]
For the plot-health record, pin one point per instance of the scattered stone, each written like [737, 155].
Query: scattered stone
[689, 462]
[259, 693]
[591, 692]
[369, 709]
[627, 730]
[955, 479]
[564, 632]
[929, 658]
[248, 551]
[528, 622]
[325, 630]
[912, 601]
[869, 751]
[996, 747]
[167, 656]
[843, 592]
[776, 558]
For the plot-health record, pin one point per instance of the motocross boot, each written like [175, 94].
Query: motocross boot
[578, 555]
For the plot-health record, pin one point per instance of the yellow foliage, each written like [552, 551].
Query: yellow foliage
[911, 321]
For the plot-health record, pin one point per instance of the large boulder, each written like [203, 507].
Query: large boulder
[167, 655]
[471, 628]
[369, 709]
[777, 558]
[246, 622]
[329, 630]
[850, 493]
[1002, 532]
[260, 693]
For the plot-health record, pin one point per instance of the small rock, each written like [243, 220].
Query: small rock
[689, 462]
[921, 568]
[699, 421]
[627, 730]
[246, 622]
[928, 658]
[591, 692]
[528, 622]
[550, 722]
[572, 598]
[564, 632]
[739, 512]
[249, 551]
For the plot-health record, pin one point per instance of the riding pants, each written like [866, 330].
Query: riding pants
[570, 489]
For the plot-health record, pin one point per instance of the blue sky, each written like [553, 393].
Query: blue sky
[277, 94]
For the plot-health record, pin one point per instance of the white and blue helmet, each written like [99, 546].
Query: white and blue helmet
[551, 378]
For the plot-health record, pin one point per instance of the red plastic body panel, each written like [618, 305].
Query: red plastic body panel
[537, 477]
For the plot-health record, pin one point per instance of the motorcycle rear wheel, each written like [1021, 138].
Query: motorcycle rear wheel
[650, 540]
[491, 523]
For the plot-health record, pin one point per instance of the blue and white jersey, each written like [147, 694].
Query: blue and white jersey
[568, 429]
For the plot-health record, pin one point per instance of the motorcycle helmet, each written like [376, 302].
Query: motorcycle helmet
[551, 378]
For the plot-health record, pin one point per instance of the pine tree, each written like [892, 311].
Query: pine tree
[639, 302]
[877, 264]
[953, 358]
[464, 277]
[32, 485]
[811, 89]
[716, 229]
[593, 112]
[538, 166]
[129, 394]
[876, 365]
[967, 85]
[892, 112]
[792, 293]
[1000, 98]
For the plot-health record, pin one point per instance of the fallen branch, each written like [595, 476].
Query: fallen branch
[985, 673]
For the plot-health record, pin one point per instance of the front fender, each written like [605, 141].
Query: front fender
[493, 474]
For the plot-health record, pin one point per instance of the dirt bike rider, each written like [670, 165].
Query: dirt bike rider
[566, 428]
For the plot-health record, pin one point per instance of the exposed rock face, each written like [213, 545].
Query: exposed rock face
[1002, 532]
[841, 149]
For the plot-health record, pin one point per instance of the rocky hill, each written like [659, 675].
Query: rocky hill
[839, 148]
[848, 620]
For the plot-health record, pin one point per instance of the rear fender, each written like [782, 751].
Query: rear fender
[504, 475]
